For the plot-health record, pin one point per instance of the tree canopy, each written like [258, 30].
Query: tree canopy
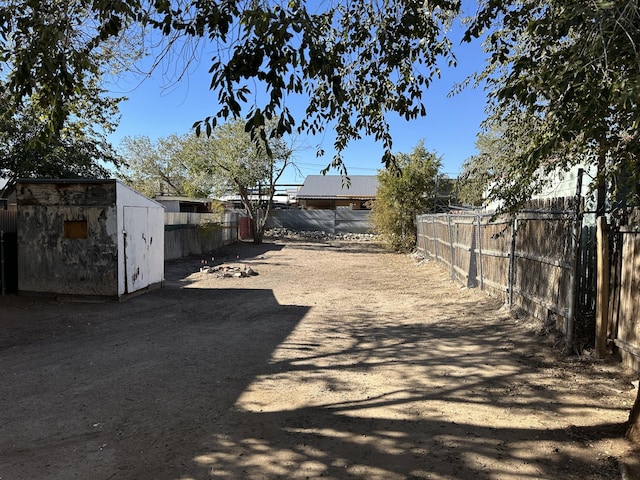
[76, 152]
[355, 61]
[229, 162]
[166, 166]
[571, 66]
[244, 164]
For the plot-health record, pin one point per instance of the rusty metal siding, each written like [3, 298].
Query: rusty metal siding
[49, 262]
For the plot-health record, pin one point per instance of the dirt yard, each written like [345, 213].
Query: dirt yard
[336, 361]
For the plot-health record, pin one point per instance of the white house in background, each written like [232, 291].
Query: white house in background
[88, 237]
[563, 184]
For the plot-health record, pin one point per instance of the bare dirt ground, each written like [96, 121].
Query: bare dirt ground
[337, 361]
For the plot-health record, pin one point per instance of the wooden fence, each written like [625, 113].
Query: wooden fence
[196, 233]
[624, 299]
[541, 260]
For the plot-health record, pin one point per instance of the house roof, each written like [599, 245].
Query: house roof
[335, 186]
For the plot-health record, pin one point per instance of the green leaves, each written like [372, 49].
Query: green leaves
[569, 71]
[52, 52]
[405, 189]
[355, 62]
[28, 150]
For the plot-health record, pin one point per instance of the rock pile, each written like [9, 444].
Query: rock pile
[318, 235]
[229, 271]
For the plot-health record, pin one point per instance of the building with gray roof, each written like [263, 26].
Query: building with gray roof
[356, 192]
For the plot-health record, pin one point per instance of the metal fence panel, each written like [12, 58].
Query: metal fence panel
[331, 221]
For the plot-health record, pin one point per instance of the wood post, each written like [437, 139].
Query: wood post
[451, 248]
[602, 297]
[512, 259]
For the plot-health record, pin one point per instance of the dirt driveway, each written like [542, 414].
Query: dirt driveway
[336, 361]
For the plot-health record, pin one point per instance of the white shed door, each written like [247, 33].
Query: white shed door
[136, 248]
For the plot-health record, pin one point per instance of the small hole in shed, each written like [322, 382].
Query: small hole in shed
[75, 229]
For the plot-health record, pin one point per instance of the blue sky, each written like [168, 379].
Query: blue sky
[449, 129]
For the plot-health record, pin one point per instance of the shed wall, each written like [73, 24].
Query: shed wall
[67, 237]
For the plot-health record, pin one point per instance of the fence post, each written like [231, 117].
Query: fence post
[421, 238]
[575, 250]
[479, 243]
[602, 291]
[435, 238]
[512, 259]
[451, 250]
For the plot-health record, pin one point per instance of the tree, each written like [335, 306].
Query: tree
[229, 161]
[75, 152]
[493, 174]
[166, 166]
[54, 111]
[404, 193]
[247, 165]
[567, 72]
[355, 61]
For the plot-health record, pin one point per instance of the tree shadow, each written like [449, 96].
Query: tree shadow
[186, 383]
[403, 432]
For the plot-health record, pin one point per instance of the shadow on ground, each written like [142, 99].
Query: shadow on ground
[402, 433]
[160, 387]
[128, 390]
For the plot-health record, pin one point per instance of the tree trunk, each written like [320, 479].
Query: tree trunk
[258, 232]
[633, 425]
[260, 225]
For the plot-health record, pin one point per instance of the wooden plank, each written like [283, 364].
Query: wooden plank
[543, 259]
[542, 302]
[614, 295]
[495, 253]
[496, 285]
[462, 247]
[462, 272]
[628, 326]
[627, 347]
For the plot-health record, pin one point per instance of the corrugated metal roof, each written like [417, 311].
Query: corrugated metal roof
[335, 186]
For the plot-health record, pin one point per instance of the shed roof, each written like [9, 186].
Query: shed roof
[120, 187]
[335, 186]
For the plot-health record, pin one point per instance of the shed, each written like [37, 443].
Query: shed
[88, 237]
[335, 191]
